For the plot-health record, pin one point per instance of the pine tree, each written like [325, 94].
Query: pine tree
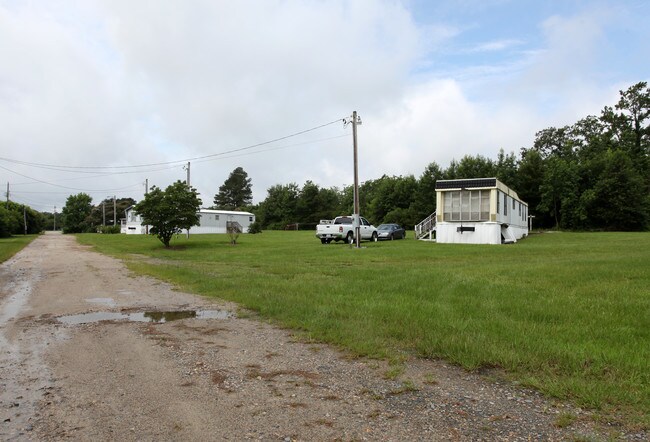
[235, 192]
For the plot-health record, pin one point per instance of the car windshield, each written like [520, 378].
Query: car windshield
[343, 220]
[385, 227]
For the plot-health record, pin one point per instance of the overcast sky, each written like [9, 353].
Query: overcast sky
[138, 83]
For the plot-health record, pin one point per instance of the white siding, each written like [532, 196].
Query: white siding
[211, 221]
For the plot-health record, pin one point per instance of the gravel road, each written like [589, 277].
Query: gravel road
[66, 375]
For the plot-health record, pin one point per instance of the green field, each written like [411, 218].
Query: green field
[566, 313]
[14, 244]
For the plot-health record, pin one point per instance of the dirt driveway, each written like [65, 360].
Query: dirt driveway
[211, 376]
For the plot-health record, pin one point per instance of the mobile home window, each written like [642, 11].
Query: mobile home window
[467, 205]
[250, 218]
[216, 217]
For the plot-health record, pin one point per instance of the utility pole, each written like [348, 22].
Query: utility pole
[114, 212]
[188, 186]
[355, 120]
[7, 194]
[25, 217]
[146, 192]
[104, 213]
[55, 218]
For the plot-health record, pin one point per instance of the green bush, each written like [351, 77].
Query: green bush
[108, 229]
[255, 227]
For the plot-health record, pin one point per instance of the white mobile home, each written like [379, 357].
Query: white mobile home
[210, 221]
[478, 211]
[217, 221]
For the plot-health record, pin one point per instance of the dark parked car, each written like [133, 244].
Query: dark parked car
[391, 231]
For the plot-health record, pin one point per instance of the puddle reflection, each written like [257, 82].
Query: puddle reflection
[149, 316]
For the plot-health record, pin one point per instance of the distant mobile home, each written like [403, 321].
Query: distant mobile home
[478, 211]
[210, 221]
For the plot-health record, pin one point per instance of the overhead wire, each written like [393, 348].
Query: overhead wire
[72, 168]
[64, 187]
[145, 168]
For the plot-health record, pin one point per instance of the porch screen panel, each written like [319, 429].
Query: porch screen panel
[485, 205]
[467, 205]
[448, 206]
[455, 206]
[475, 205]
[464, 205]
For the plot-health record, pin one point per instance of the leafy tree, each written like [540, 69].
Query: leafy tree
[554, 142]
[618, 200]
[559, 189]
[308, 205]
[8, 222]
[235, 192]
[530, 177]
[75, 213]
[171, 211]
[391, 198]
[425, 197]
[315, 204]
[506, 168]
[279, 207]
[634, 105]
[475, 167]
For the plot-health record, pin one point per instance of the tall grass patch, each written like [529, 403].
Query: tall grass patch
[14, 244]
[566, 313]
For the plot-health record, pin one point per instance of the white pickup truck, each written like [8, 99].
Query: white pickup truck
[342, 228]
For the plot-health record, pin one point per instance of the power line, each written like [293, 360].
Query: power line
[273, 149]
[71, 168]
[65, 187]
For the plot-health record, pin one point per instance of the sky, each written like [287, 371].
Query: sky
[102, 96]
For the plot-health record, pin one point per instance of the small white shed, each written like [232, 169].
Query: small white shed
[210, 221]
[479, 211]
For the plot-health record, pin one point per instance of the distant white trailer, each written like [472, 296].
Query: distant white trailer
[217, 221]
[210, 221]
[132, 224]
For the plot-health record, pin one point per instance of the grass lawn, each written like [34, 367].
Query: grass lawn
[14, 244]
[566, 313]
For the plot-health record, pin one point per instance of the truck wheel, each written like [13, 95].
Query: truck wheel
[349, 238]
[323, 241]
[327, 241]
[374, 237]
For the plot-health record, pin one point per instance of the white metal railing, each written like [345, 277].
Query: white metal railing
[426, 227]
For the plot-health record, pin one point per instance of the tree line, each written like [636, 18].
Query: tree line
[592, 175]
[19, 219]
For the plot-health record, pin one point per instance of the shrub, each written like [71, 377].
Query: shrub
[108, 229]
[255, 227]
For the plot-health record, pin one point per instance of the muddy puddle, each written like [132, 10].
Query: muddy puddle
[150, 316]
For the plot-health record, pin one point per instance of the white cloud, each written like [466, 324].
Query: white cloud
[495, 45]
[122, 82]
